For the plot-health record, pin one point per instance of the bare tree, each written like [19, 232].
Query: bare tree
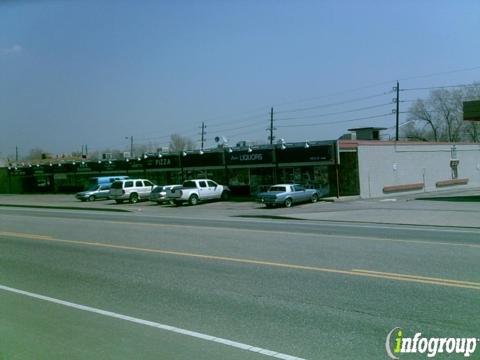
[440, 117]
[180, 143]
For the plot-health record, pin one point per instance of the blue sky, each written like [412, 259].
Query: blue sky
[94, 72]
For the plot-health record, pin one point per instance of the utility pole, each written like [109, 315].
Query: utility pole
[397, 111]
[16, 153]
[271, 128]
[131, 146]
[202, 140]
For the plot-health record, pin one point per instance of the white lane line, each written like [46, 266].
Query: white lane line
[174, 329]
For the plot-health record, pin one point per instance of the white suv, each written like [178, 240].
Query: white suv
[131, 190]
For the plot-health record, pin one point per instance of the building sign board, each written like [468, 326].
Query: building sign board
[202, 160]
[471, 110]
[166, 161]
[318, 153]
[259, 156]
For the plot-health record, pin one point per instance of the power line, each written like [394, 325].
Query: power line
[335, 113]
[341, 92]
[335, 103]
[335, 122]
[440, 73]
[442, 87]
[252, 129]
[238, 120]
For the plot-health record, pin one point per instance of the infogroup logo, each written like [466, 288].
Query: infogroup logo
[397, 343]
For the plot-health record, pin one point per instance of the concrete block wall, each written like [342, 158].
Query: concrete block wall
[388, 164]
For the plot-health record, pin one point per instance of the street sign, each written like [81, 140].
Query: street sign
[471, 110]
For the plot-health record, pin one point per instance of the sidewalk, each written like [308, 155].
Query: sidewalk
[425, 217]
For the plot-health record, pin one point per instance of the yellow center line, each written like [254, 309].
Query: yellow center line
[26, 236]
[416, 277]
[316, 235]
[354, 272]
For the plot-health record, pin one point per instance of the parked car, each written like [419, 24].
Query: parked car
[132, 190]
[95, 192]
[159, 193]
[197, 190]
[287, 195]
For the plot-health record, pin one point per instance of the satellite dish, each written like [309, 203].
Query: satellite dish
[221, 139]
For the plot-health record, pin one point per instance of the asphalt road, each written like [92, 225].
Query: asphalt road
[308, 290]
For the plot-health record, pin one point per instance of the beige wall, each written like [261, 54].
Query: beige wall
[388, 164]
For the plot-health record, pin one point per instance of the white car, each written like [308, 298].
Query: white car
[131, 190]
[197, 190]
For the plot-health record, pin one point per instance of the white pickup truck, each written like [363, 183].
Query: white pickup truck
[197, 190]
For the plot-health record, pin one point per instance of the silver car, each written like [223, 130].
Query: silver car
[95, 192]
[159, 193]
[287, 195]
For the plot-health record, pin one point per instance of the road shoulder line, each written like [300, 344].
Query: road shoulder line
[157, 325]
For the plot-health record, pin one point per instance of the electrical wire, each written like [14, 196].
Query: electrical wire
[440, 73]
[441, 87]
[335, 122]
[335, 113]
[335, 103]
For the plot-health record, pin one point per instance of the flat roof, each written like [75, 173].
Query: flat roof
[367, 128]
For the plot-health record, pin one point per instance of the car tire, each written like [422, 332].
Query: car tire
[91, 198]
[268, 206]
[225, 195]
[133, 198]
[159, 202]
[119, 201]
[176, 203]
[314, 198]
[288, 202]
[193, 199]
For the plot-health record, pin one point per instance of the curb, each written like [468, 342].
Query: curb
[62, 207]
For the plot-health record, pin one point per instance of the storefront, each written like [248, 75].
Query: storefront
[246, 170]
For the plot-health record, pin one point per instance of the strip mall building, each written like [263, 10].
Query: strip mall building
[368, 168]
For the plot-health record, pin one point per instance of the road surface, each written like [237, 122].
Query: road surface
[99, 285]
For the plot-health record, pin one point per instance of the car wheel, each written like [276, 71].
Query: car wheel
[314, 198]
[193, 200]
[133, 198]
[119, 201]
[288, 202]
[159, 202]
[268, 206]
[225, 195]
[91, 198]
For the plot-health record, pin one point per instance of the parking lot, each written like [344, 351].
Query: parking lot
[398, 210]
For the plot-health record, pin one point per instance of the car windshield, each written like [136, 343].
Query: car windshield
[93, 187]
[278, 188]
